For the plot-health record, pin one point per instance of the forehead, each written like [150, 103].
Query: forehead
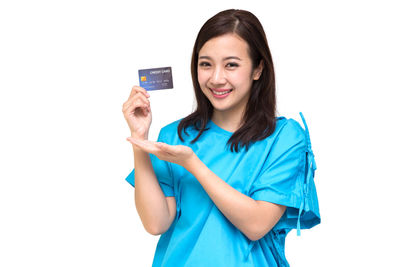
[224, 46]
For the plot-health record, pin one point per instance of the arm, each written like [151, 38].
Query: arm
[156, 211]
[253, 218]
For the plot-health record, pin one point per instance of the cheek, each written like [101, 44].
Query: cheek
[201, 77]
[240, 78]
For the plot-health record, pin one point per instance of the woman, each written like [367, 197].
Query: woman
[224, 185]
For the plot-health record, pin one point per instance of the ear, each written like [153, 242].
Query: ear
[257, 71]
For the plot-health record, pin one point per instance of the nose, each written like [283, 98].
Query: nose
[218, 76]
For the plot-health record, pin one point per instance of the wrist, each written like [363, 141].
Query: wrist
[192, 163]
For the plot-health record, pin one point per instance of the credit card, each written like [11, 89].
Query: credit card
[156, 79]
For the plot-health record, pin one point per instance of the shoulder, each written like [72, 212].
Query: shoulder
[289, 132]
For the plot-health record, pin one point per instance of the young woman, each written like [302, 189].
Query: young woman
[224, 185]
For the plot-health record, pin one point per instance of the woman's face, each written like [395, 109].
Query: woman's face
[225, 72]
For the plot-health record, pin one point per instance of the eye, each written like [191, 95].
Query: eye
[204, 64]
[232, 65]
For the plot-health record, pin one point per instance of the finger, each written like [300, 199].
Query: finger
[144, 94]
[137, 101]
[131, 107]
[161, 145]
[135, 97]
[137, 89]
[142, 97]
[144, 106]
[166, 148]
[145, 145]
[138, 98]
[134, 145]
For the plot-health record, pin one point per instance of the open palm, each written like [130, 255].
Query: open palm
[178, 154]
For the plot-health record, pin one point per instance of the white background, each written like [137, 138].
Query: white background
[66, 68]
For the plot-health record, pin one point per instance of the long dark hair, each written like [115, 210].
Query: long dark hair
[259, 118]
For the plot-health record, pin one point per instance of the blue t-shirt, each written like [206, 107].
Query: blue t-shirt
[279, 169]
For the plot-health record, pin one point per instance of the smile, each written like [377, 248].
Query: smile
[221, 93]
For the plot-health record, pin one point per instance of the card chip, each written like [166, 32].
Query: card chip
[143, 78]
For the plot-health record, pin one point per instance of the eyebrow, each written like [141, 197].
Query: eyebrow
[226, 58]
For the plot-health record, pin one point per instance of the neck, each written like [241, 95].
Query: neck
[228, 120]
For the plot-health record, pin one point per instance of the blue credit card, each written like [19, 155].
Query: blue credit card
[156, 79]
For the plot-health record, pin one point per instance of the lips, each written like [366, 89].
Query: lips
[220, 93]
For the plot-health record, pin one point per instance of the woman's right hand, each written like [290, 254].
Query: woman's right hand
[137, 112]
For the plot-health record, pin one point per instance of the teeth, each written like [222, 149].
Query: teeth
[220, 93]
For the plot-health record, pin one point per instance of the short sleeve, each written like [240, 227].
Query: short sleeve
[162, 169]
[287, 178]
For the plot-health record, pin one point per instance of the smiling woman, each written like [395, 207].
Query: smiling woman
[225, 75]
[244, 54]
[226, 184]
